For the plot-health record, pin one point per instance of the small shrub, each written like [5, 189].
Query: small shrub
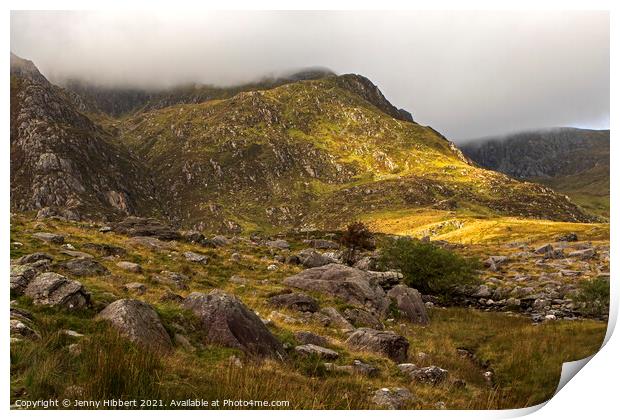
[593, 295]
[427, 267]
[357, 237]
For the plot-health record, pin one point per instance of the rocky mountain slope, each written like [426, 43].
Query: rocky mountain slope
[570, 160]
[313, 152]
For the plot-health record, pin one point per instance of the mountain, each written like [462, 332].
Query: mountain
[572, 161]
[308, 152]
[63, 162]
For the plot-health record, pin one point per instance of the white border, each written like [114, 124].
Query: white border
[592, 395]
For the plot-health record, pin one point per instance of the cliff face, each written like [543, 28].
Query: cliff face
[544, 153]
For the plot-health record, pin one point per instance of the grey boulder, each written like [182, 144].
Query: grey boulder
[409, 303]
[386, 343]
[55, 290]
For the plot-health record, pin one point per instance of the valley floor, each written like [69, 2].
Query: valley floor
[495, 358]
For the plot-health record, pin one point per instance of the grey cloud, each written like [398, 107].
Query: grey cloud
[467, 74]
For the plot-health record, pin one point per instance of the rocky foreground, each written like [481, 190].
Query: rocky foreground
[278, 298]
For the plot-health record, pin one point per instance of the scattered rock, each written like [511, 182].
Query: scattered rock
[195, 257]
[135, 287]
[336, 319]
[238, 279]
[51, 238]
[56, 290]
[272, 267]
[21, 275]
[106, 250]
[176, 280]
[307, 337]
[567, 237]
[278, 243]
[228, 322]
[432, 375]
[584, 254]
[76, 254]
[129, 266]
[145, 227]
[386, 343]
[316, 351]
[168, 296]
[139, 322]
[85, 267]
[33, 258]
[296, 301]
[149, 242]
[219, 240]
[21, 330]
[323, 244]
[310, 258]
[392, 399]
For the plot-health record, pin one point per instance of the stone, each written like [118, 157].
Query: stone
[76, 254]
[139, 322]
[34, 257]
[135, 287]
[51, 238]
[278, 243]
[316, 351]
[323, 244]
[228, 322]
[85, 267]
[169, 296]
[145, 227]
[350, 284]
[296, 301]
[105, 229]
[195, 257]
[336, 319]
[21, 275]
[55, 290]
[106, 250]
[361, 318]
[238, 279]
[193, 236]
[386, 343]
[482, 291]
[183, 341]
[386, 279]
[366, 263]
[432, 375]
[219, 240]
[129, 266]
[272, 267]
[176, 280]
[310, 258]
[307, 337]
[544, 249]
[567, 237]
[150, 243]
[409, 303]
[392, 398]
[583, 254]
[21, 330]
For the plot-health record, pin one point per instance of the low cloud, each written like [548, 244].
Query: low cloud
[467, 74]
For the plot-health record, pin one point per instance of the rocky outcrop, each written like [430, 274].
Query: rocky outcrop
[139, 322]
[350, 284]
[228, 322]
[55, 290]
[386, 343]
[310, 258]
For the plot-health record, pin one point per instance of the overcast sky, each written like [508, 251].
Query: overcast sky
[467, 74]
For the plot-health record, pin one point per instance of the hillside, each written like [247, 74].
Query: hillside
[571, 161]
[308, 152]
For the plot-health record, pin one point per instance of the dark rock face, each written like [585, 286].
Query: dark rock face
[228, 322]
[141, 226]
[139, 322]
[410, 304]
[296, 301]
[85, 267]
[544, 153]
[354, 286]
[386, 343]
[56, 290]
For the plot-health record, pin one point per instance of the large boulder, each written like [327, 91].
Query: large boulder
[409, 303]
[33, 258]
[392, 399]
[140, 226]
[228, 322]
[56, 290]
[350, 284]
[85, 267]
[139, 322]
[432, 375]
[296, 301]
[387, 343]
